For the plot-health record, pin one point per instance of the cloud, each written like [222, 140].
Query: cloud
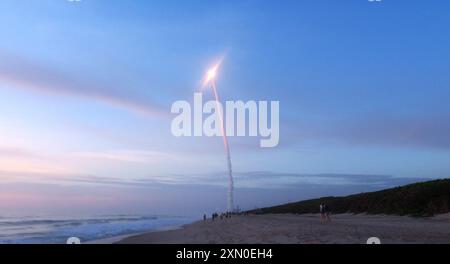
[324, 179]
[247, 179]
[61, 178]
[277, 180]
[33, 75]
[136, 156]
[16, 152]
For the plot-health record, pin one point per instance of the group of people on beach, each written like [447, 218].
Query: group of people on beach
[325, 213]
[217, 215]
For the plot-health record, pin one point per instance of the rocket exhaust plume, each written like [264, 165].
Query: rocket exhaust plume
[227, 150]
[211, 75]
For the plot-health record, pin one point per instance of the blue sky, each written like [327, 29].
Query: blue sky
[86, 88]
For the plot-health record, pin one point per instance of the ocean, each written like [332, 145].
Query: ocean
[56, 230]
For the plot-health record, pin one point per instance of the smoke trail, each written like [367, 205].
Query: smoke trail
[227, 149]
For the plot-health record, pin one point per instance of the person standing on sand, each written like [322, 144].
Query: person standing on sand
[204, 217]
[322, 212]
[327, 213]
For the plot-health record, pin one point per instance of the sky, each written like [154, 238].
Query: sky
[86, 90]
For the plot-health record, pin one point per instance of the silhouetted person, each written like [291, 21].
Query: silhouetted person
[322, 212]
[327, 213]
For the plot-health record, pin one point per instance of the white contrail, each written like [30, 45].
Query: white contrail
[227, 148]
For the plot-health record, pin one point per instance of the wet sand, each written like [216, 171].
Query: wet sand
[303, 229]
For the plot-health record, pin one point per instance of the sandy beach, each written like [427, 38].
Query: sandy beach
[303, 229]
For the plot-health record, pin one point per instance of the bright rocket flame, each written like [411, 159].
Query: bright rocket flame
[211, 74]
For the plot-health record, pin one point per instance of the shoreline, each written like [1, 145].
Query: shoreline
[301, 229]
[119, 238]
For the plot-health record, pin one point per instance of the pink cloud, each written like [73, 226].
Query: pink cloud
[32, 75]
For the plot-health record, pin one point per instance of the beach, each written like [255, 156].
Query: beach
[303, 229]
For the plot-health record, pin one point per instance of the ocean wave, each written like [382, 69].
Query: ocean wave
[32, 230]
[75, 222]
